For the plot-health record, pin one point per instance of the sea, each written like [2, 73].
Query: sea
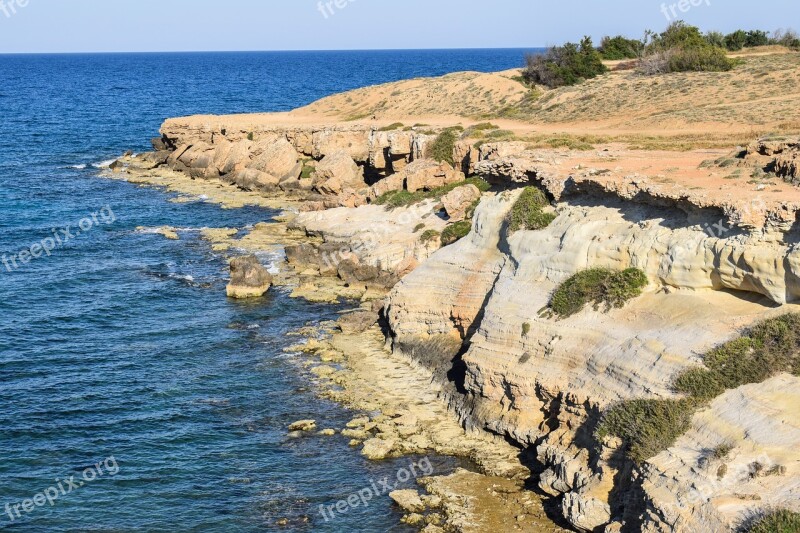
[134, 396]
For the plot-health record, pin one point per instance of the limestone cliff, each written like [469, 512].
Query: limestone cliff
[719, 256]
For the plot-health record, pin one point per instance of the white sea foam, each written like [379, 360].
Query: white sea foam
[78, 167]
[103, 164]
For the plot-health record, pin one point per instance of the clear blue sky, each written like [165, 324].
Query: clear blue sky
[177, 25]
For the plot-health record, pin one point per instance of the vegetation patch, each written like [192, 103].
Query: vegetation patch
[392, 127]
[308, 171]
[647, 426]
[395, 199]
[441, 149]
[767, 349]
[528, 211]
[598, 286]
[780, 521]
[456, 232]
[565, 65]
[429, 235]
[619, 47]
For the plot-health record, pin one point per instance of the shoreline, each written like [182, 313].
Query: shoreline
[356, 371]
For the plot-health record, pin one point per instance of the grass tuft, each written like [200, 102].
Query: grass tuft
[395, 199]
[599, 286]
[647, 426]
[768, 348]
[780, 521]
[455, 232]
[528, 214]
[392, 127]
[441, 149]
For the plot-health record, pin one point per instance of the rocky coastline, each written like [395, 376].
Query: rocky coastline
[448, 342]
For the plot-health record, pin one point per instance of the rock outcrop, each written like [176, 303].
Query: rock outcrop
[249, 279]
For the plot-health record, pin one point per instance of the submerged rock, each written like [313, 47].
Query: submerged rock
[303, 425]
[249, 279]
[408, 500]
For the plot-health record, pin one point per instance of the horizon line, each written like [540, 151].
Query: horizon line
[274, 51]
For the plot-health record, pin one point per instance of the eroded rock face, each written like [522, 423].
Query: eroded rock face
[249, 279]
[545, 385]
[277, 158]
[688, 487]
[425, 174]
[338, 173]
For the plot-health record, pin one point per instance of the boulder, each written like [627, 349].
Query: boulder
[336, 173]
[357, 321]
[249, 279]
[303, 425]
[352, 272]
[238, 157]
[409, 500]
[586, 514]
[425, 174]
[457, 201]
[278, 158]
[251, 179]
[159, 144]
[395, 182]
[302, 255]
[354, 143]
[378, 449]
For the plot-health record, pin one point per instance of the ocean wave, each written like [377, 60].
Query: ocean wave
[103, 164]
[78, 167]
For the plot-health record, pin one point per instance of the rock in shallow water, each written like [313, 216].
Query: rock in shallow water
[249, 279]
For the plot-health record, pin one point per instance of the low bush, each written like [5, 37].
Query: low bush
[456, 232]
[647, 427]
[683, 48]
[619, 47]
[441, 149]
[598, 286]
[565, 65]
[527, 213]
[780, 521]
[704, 59]
[767, 349]
[395, 199]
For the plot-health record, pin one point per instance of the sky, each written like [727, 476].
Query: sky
[33, 26]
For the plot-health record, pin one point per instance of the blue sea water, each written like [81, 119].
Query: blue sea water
[120, 345]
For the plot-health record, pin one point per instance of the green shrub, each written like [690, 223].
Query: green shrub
[456, 232]
[441, 149]
[429, 235]
[768, 348]
[703, 59]
[735, 41]
[250, 136]
[682, 48]
[619, 47]
[527, 213]
[756, 38]
[419, 227]
[647, 427]
[392, 127]
[651, 426]
[526, 328]
[781, 521]
[395, 199]
[565, 65]
[598, 286]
